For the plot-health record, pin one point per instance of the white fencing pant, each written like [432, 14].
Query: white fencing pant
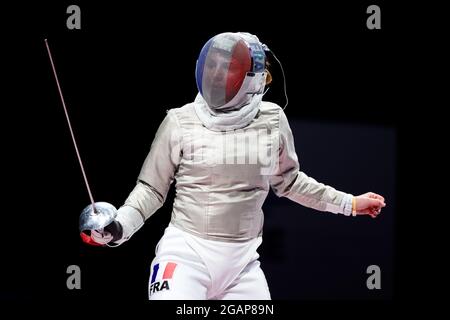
[189, 267]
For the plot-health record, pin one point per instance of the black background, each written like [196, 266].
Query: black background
[120, 73]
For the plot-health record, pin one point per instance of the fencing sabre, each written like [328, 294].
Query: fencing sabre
[97, 215]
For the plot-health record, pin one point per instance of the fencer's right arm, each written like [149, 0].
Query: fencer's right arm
[155, 178]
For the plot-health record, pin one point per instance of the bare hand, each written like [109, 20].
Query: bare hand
[369, 204]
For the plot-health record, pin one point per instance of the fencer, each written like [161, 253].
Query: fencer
[225, 151]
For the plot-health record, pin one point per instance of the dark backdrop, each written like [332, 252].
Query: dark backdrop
[120, 73]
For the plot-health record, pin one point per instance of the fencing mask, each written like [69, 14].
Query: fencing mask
[230, 70]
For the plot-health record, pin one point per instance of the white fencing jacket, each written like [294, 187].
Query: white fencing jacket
[223, 177]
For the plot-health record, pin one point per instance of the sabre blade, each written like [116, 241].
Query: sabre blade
[70, 127]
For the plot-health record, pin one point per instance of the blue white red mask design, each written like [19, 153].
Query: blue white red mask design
[229, 69]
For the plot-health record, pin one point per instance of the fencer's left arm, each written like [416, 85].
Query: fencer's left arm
[155, 178]
[290, 182]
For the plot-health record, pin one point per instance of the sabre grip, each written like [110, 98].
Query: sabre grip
[115, 229]
[112, 232]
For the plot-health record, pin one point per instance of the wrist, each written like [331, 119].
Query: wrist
[346, 204]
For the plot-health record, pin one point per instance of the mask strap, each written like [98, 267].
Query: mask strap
[266, 48]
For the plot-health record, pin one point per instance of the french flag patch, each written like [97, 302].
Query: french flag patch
[168, 271]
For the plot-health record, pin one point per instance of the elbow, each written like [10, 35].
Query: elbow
[145, 199]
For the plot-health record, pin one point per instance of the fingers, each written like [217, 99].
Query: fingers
[101, 237]
[370, 206]
[89, 240]
[373, 203]
[374, 212]
[374, 196]
[380, 204]
[375, 207]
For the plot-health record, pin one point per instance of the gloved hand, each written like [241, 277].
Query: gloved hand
[101, 237]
